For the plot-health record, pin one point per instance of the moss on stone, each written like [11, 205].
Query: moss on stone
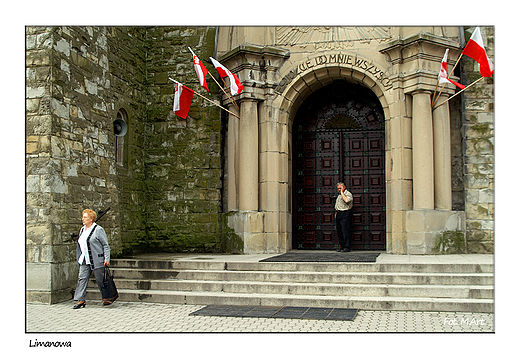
[450, 242]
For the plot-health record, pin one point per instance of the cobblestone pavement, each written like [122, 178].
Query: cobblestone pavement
[128, 317]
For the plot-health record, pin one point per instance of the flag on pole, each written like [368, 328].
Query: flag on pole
[475, 49]
[201, 70]
[443, 73]
[182, 100]
[235, 85]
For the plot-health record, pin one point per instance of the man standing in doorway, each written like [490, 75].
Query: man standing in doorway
[344, 204]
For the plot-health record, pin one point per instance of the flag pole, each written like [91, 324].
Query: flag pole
[435, 91]
[451, 73]
[460, 57]
[205, 98]
[467, 87]
[229, 97]
[438, 95]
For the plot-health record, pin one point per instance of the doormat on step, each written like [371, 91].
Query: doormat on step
[277, 312]
[324, 257]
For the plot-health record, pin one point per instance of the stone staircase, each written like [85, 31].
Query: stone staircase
[453, 287]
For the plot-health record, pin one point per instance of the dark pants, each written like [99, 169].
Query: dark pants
[343, 221]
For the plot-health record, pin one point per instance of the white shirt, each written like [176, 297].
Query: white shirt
[82, 241]
[341, 205]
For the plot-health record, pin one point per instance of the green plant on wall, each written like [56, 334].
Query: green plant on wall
[449, 242]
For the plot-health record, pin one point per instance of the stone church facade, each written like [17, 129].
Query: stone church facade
[321, 105]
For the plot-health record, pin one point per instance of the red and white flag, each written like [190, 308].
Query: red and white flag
[235, 85]
[443, 74]
[182, 100]
[201, 70]
[475, 49]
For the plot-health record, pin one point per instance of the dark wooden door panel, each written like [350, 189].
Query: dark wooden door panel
[319, 169]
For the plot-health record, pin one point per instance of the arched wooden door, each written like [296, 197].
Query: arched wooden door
[339, 137]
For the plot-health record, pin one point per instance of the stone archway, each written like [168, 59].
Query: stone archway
[293, 97]
[339, 137]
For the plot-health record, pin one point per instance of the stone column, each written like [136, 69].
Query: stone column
[422, 144]
[248, 156]
[232, 156]
[442, 155]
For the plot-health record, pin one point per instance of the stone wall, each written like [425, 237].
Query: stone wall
[166, 193]
[479, 163]
[127, 61]
[77, 78]
[183, 157]
[457, 158]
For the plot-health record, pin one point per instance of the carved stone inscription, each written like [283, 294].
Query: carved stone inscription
[351, 60]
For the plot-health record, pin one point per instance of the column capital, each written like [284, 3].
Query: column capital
[249, 99]
[242, 97]
[421, 91]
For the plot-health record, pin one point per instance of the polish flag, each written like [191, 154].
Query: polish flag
[475, 49]
[443, 74]
[201, 70]
[236, 86]
[182, 100]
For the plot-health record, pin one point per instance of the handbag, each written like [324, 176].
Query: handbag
[109, 290]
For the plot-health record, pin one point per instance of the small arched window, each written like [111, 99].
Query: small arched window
[120, 129]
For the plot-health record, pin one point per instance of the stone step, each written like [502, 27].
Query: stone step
[304, 266]
[361, 302]
[428, 286]
[327, 289]
[310, 277]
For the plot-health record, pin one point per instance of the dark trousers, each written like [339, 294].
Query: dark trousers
[343, 221]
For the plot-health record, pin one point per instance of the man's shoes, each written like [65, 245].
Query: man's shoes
[345, 250]
[338, 249]
[79, 305]
[106, 302]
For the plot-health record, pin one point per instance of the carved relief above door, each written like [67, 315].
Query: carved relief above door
[331, 37]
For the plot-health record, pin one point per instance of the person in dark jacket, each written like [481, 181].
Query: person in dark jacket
[92, 255]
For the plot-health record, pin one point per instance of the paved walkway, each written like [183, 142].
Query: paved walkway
[129, 317]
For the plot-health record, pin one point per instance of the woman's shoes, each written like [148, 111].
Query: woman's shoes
[83, 304]
[79, 305]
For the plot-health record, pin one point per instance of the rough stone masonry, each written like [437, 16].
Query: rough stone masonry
[165, 195]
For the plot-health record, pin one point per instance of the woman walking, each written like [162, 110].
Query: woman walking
[92, 254]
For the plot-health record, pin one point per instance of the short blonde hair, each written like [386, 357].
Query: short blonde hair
[91, 214]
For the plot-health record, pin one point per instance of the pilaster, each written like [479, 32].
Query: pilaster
[422, 148]
[442, 155]
[255, 154]
[248, 156]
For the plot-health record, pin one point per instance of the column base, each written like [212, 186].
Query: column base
[50, 283]
[252, 228]
[423, 226]
[249, 226]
